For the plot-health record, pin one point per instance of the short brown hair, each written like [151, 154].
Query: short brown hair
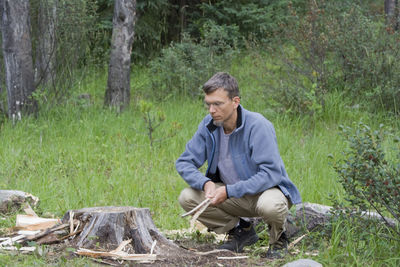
[222, 80]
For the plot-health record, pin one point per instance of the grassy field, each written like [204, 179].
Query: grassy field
[79, 154]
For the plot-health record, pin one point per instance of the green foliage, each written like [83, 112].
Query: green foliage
[153, 119]
[61, 33]
[256, 20]
[371, 181]
[338, 45]
[184, 67]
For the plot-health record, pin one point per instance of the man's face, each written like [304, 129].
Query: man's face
[221, 107]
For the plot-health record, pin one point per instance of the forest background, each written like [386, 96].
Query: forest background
[324, 72]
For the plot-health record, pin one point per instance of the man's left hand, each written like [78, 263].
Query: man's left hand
[219, 196]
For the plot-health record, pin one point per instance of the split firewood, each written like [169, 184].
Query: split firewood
[29, 211]
[29, 222]
[46, 232]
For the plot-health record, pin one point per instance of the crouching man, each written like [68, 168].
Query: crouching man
[246, 176]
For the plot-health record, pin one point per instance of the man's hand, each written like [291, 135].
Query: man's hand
[209, 189]
[219, 196]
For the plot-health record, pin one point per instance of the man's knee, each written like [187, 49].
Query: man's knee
[273, 209]
[187, 198]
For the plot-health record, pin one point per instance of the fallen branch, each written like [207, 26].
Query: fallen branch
[233, 258]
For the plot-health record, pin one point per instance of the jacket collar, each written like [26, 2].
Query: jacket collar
[211, 127]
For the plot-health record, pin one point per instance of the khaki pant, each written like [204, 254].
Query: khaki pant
[271, 205]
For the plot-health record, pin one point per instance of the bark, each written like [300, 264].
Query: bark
[17, 52]
[118, 85]
[107, 227]
[45, 59]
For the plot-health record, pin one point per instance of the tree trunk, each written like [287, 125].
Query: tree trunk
[107, 227]
[17, 52]
[392, 13]
[46, 47]
[118, 85]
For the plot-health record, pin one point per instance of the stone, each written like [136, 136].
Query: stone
[303, 263]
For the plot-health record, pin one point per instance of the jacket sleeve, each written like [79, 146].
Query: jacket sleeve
[265, 158]
[193, 158]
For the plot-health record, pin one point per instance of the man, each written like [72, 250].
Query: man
[245, 176]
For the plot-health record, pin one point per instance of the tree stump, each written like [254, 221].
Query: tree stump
[107, 227]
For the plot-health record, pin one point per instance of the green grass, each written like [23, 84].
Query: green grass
[80, 154]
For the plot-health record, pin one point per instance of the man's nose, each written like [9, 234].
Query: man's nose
[211, 108]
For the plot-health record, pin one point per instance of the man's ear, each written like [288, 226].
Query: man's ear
[236, 101]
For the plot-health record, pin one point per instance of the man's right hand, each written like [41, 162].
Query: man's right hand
[209, 189]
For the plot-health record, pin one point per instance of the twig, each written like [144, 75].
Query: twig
[197, 214]
[201, 253]
[233, 258]
[197, 207]
[294, 243]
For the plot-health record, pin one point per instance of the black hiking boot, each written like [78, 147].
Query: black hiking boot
[240, 237]
[279, 249]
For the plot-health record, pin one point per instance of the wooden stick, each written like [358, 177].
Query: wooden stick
[233, 258]
[294, 243]
[197, 214]
[197, 207]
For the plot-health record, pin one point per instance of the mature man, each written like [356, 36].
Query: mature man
[245, 177]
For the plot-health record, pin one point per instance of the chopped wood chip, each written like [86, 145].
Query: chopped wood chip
[11, 240]
[71, 222]
[153, 246]
[28, 210]
[28, 232]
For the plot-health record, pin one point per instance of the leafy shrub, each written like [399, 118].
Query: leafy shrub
[184, 67]
[369, 179]
[339, 46]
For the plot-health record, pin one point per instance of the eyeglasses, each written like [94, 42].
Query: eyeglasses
[216, 105]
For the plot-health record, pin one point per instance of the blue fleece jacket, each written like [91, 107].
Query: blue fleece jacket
[255, 156]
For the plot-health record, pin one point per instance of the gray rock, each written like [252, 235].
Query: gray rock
[303, 263]
[11, 200]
